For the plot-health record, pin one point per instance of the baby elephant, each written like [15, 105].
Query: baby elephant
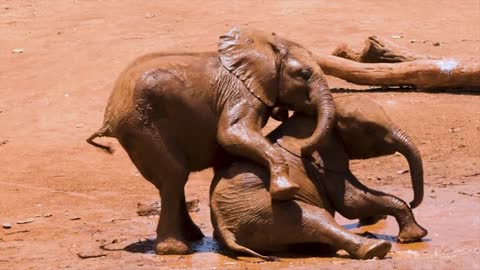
[177, 113]
[246, 220]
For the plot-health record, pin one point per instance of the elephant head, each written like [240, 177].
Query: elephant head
[280, 72]
[365, 131]
[361, 120]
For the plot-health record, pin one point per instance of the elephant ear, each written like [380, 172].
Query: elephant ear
[254, 57]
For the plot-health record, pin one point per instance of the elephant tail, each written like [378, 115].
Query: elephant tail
[228, 238]
[102, 132]
[408, 149]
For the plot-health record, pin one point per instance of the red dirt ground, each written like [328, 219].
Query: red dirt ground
[53, 96]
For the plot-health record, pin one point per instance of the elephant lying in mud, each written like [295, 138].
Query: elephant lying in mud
[246, 220]
[176, 113]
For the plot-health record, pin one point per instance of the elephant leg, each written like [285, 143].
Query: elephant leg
[365, 203]
[192, 232]
[293, 223]
[162, 164]
[317, 225]
[371, 220]
[175, 227]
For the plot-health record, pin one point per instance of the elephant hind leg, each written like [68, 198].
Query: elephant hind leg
[364, 221]
[159, 160]
[318, 225]
[293, 222]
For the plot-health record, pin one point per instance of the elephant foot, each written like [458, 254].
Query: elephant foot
[193, 233]
[281, 189]
[372, 248]
[371, 220]
[171, 246]
[411, 233]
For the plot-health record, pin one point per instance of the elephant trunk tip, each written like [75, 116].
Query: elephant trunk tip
[415, 203]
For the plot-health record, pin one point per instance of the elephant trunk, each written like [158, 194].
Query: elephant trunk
[408, 149]
[322, 100]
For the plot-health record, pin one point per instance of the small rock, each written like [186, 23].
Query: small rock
[79, 126]
[7, 225]
[149, 15]
[47, 215]
[397, 36]
[26, 221]
[413, 41]
[67, 95]
[17, 50]
[148, 209]
[436, 44]
[91, 254]
[154, 208]
[402, 171]
[411, 252]
[75, 218]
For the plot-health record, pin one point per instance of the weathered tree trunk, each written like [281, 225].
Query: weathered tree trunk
[388, 64]
[379, 50]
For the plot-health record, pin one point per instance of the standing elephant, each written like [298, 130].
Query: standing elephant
[177, 113]
[247, 220]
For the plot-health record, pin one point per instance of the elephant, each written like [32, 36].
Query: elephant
[246, 220]
[176, 113]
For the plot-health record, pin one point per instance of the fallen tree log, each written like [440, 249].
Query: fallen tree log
[384, 63]
[421, 74]
[379, 50]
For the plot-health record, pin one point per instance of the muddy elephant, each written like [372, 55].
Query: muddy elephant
[183, 112]
[246, 220]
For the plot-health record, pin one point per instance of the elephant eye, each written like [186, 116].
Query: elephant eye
[305, 74]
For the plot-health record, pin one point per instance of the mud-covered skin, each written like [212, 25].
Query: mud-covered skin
[178, 113]
[361, 120]
[252, 222]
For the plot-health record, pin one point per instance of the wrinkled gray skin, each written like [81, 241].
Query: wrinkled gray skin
[247, 220]
[178, 113]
